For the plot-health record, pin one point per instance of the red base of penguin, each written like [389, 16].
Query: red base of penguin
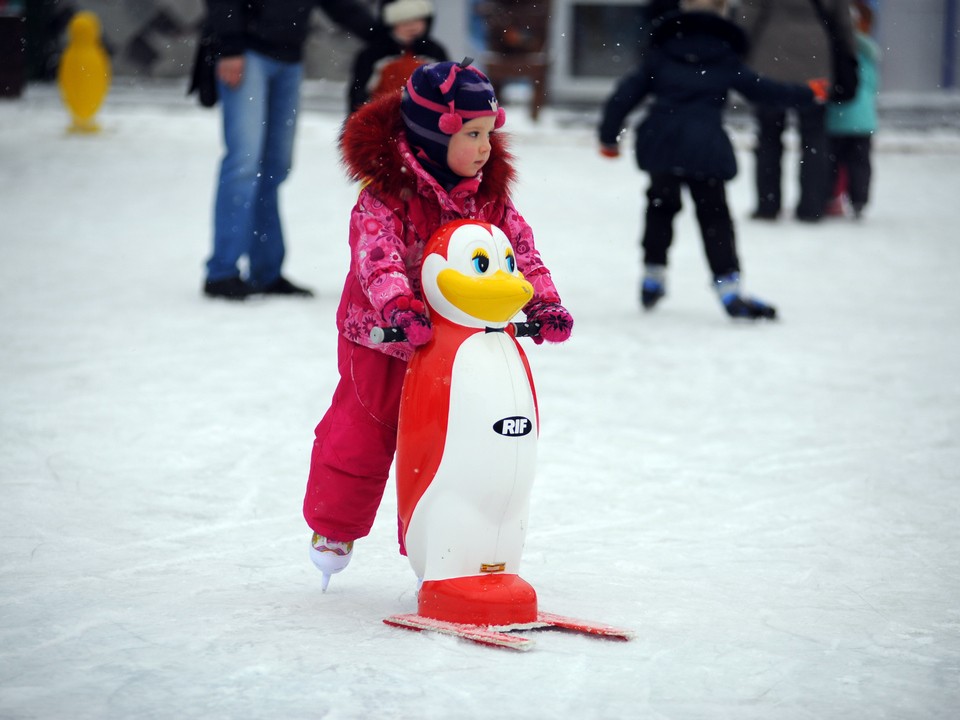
[495, 600]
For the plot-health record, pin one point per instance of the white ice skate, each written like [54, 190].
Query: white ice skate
[330, 556]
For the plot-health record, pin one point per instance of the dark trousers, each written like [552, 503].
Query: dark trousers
[814, 162]
[853, 153]
[716, 228]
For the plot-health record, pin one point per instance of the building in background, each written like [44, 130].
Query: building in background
[596, 41]
[592, 42]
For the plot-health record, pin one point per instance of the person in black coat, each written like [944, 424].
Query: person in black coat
[792, 41]
[695, 59]
[402, 44]
[656, 10]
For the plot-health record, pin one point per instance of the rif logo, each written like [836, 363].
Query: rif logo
[516, 426]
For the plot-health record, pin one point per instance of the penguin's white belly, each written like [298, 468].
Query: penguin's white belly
[472, 518]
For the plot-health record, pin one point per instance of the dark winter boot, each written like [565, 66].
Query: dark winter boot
[740, 306]
[766, 215]
[653, 285]
[282, 286]
[230, 289]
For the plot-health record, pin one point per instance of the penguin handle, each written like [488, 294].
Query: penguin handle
[387, 334]
[380, 335]
[526, 329]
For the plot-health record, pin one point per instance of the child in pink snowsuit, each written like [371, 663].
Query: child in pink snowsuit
[426, 157]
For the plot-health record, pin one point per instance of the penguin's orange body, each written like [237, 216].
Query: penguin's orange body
[466, 451]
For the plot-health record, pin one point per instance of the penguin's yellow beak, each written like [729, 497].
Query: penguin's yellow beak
[494, 298]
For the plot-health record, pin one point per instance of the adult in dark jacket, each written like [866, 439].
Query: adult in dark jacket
[402, 45]
[790, 42]
[259, 72]
[694, 60]
[656, 10]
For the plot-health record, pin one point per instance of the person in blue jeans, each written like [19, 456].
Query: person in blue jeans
[259, 72]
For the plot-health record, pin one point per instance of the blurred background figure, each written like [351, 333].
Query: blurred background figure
[259, 73]
[517, 46]
[694, 59]
[851, 125]
[400, 47]
[657, 9]
[791, 42]
[13, 66]
[84, 74]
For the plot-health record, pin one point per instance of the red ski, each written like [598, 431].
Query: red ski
[587, 627]
[480, 634]
[507, 636]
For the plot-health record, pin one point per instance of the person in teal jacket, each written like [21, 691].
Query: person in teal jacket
[851, 125]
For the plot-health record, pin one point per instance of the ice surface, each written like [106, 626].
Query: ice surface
[773, 508]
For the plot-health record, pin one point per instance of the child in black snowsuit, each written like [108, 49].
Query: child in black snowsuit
[403, 45]
[694, 59]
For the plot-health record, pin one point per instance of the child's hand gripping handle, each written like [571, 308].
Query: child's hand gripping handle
[553, 321]
[406, 320]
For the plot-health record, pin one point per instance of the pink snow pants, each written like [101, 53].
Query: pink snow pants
[355, 444]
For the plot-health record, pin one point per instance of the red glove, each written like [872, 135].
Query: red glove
[821, 89]
[408, 314]
[556, 323]
[610, 151]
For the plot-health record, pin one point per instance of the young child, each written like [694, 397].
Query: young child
[426, 158]
[404, 44]
[851, 125]
[695, 58]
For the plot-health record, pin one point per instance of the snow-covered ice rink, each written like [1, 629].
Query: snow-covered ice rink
[773, 508]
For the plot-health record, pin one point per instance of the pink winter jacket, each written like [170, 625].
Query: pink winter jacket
[401, 206]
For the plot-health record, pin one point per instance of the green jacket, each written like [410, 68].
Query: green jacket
[859, 116]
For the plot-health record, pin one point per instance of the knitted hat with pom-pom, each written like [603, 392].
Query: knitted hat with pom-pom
[438, 100]
[400, 11]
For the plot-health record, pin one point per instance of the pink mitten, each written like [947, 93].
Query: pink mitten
[408, 314]
[556, 323]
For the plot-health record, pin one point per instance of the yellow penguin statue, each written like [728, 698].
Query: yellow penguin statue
[84, 73]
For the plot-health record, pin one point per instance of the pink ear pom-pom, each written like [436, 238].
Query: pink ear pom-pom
[501, 119]
[450, 123]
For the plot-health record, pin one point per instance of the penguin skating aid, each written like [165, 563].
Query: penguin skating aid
[466, 447]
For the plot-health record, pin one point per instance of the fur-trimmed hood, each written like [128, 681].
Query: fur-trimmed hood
[374, 150]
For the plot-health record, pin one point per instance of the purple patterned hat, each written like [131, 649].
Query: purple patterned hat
[439, 98]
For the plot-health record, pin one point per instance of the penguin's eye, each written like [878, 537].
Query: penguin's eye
[511, 262]
[481, 261]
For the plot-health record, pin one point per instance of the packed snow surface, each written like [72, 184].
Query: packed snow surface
[773, 508]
